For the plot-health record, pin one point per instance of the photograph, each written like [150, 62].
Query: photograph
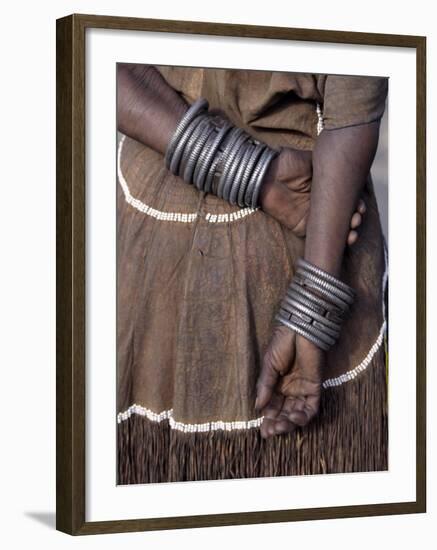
[240, 222]
[216, 235]
[251, 273]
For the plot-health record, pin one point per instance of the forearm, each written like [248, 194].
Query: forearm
[148, 109]
[341, 163]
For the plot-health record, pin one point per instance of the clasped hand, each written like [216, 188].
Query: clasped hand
[290, 382]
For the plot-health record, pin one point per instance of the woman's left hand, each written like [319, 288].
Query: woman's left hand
[290, 382]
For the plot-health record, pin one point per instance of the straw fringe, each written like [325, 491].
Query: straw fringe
[349, 435]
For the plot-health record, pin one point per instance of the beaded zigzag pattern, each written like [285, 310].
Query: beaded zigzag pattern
[174, 216]
[256, 422]
[192, 216]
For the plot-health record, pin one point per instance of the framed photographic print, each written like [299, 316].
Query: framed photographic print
[240, 274]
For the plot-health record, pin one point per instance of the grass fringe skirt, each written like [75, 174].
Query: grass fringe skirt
[350, 434]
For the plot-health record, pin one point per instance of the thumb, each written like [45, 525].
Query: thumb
[266, 383]
[277, 360]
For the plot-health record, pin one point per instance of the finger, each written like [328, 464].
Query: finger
[352, 237]
[270, 413]
[283, 425]
[299, 418]
[356, 220]
[292, 404]
[265, 388]
[266, 429]
[279, 355]
[312, 406]
[300, 411]
[274, 406]
[266, 382]
[361, 207]
[296, 411]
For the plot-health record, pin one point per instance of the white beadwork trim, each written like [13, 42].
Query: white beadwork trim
[244, 424]
[320, 122]
[174, 216]
[351, 374]
[256, 422]
[180, 426]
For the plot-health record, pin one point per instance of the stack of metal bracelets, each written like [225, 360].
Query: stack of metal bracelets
[207, 151]
[315, 305]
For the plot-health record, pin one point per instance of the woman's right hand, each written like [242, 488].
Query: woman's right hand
[286, 192]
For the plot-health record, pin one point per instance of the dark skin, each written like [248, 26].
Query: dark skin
[290, 383]
[289, 386]
[148, 110]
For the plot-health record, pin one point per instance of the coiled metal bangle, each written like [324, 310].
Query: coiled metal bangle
[207, 159]
[233, 162]
[210, 153]
[333, 312]
[258, 184]
[200, 105]
[236, 137]
[180, 146]
[301, 330]
[330, 326]
[256, 154]
[233, 195]
[315, 305]
[302, 263]
[194, 147]
[345, 296]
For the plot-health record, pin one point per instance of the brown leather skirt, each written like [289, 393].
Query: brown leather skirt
[198, 285]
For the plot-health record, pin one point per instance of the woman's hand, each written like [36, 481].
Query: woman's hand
[290, 382]
[285, 194]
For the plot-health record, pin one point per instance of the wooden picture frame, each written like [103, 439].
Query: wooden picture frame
[71, 252]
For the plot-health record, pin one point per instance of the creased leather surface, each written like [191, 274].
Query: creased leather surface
[196, 301]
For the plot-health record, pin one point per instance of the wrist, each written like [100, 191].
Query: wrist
[328, 262]
[315, 305]
[271, 189]
[176, 110]
[207, 151]
[285, 193]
